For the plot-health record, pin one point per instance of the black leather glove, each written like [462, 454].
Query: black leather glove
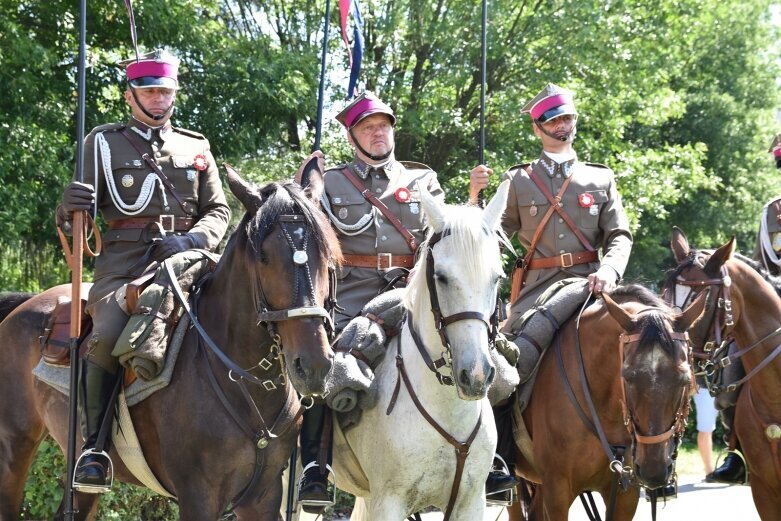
[77, 197]
[172, 244]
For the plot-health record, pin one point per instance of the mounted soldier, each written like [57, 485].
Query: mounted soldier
[158, 190]
[562, 239]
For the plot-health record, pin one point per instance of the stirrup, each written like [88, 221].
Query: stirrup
[90, 488]
[660, 491]
[330, 488]
[503, 498]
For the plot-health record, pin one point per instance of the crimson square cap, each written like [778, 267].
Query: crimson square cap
[155, 69]
[552, 101]
[363, 106]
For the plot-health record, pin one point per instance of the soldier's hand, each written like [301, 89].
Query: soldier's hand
[172, 244]
[478, 180]
[604, 279]
[78, 197]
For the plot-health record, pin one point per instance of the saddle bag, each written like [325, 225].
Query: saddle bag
[55, 340]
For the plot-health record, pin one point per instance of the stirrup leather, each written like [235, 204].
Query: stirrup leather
[330, 488]
[90, 488]
[503, 498]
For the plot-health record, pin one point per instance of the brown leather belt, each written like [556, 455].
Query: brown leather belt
[565, 260]
[381, 261]
[167, 223]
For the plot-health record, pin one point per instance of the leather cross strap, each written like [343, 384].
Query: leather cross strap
[394, 220]
[380, 261]
[156, 168]
[554, 202]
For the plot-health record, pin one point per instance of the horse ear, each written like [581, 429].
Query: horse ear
[618, 313]
[690, 315]
[314, 163]
[247, 194]
[433, 210]
[492, 216]
[719, 257]
[679, 244]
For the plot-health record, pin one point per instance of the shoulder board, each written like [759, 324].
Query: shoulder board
[520, 166]
[598, 165]
[415, 165]
[108, 126]
[190, 133]
[336, 168]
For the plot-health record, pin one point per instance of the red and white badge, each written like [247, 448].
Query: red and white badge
[403, 195]
[200, 163]
[585, 199]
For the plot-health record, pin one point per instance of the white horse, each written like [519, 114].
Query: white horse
[395, 460]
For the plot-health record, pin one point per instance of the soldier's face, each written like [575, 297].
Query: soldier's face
[155, 100]
[374, 134]
[558, 130]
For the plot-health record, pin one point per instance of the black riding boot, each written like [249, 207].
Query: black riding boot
[314, 488]
[502, 476]
[95, 386]
[733, 470]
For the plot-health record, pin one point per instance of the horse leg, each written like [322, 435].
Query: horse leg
[17, 451]
[196, 504]
[626, 503]
[556, 499]
[268, 505]
[767, 499]
[360, 510]
[385, 508]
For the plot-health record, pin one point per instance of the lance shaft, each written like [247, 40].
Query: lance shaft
[321, 88]
[483, 46]
[76, 265]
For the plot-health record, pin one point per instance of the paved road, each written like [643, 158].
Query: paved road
[696, 500]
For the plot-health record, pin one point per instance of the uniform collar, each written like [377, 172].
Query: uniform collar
[552, 167]
[363, 169]
[147, 132]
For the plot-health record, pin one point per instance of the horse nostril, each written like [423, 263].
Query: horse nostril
[463, 377]
[491, 376]
[299, 367]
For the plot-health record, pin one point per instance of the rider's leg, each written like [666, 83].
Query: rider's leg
[316, 451]
[503, 478]
[733, 469]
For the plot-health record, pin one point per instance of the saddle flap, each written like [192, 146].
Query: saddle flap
[55, 340]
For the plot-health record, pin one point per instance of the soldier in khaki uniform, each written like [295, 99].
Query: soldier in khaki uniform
[768, 247]
[376, 251]
[591, 201]
[150, 215]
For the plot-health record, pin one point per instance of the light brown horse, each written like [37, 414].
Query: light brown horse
[628, 364]
[208, 442]
[743, 303]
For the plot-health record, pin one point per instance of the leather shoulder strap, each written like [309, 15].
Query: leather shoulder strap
[554, 202]
[156, 168]
[394, 220]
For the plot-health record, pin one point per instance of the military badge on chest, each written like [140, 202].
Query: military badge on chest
[586, 200]
[127, 180]
[404, 196]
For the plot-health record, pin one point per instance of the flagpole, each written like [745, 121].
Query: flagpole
[76, 263]
[321, 87]
[483, 47]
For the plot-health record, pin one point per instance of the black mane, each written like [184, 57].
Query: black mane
[653, 324]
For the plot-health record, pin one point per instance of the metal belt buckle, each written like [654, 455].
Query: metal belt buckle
[384, 261]
[167, 223]
[566, 260]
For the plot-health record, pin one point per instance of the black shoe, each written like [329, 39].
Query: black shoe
[733, 470]
[92, 473]
[670, 491]
[314, 491]
[499, 481]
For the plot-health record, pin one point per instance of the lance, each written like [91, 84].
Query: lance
[76, 265]
[484, 45]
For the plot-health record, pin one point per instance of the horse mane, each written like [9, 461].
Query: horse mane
[464, 224]
[653, 324]
[289, 199]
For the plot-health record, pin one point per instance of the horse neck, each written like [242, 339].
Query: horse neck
[599, 347]
[760, 314]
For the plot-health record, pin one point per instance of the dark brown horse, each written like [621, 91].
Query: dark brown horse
[632, 352]
[209, 442]
[744, 304]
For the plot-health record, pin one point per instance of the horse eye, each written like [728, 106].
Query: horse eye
[442, 279]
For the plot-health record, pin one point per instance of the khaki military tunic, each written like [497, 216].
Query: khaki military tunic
[363, 230]
[126, 187]
[768, 247]
[604, 223]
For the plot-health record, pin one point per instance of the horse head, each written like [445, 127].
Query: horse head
[290, 251]
[656, 382]
[452, 293]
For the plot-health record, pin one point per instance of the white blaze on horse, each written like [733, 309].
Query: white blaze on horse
[426, 443]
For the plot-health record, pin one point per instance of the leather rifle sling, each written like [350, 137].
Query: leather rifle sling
[519, 272]
[563, 214]
[369, 196]
[156, 168]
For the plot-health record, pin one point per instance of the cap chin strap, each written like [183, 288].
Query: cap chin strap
[158, 117]
[382, 157]
[567, 138]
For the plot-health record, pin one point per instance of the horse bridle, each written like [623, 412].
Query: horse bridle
[722, 325]
[441, 321]
[679, 422]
